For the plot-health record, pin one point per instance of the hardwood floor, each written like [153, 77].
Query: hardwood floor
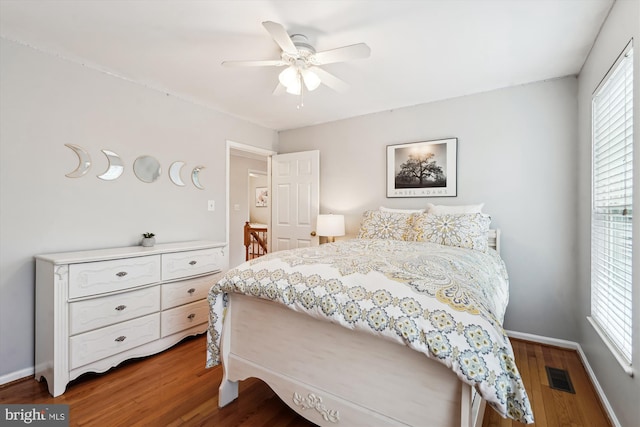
[175, 389]
[552, 408]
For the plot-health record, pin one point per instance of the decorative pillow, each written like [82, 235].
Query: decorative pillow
[385, 225]
[460, 209]
[407, 211]
[461, 230]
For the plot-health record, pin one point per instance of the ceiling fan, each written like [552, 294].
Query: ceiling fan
[303, 62]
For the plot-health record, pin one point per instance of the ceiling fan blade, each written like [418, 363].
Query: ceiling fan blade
[340, 54]
[259, 63]
[281, 37]
[330, 80]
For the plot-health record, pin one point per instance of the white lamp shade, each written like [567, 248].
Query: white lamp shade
[311, 80]
[288, 76]
[294, 89]
[330, 225]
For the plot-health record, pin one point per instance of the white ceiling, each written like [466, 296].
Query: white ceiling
[421, 51]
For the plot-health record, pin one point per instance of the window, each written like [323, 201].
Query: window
[611, 212]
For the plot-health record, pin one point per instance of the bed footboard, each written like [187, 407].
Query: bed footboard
[335, 376]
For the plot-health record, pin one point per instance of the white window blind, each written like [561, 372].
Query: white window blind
[612, 213]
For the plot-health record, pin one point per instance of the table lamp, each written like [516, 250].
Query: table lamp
[330, 226]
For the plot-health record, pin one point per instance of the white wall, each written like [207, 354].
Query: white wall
[47, 102]
[516, 153]
[258, 214]
[623, 391]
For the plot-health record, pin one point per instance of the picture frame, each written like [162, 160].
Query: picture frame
[262, 197]
[423, 169]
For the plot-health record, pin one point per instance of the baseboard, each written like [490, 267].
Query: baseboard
[544, 340]
[583, 358]
[17, 375]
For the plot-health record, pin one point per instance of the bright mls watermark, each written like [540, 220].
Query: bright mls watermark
[54, 415]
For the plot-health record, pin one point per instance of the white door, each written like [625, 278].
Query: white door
[295, 196]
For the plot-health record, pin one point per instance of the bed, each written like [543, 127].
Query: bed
[400, 326]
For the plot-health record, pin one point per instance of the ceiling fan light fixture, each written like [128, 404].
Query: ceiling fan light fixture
[295, 87]
[289, 76]
[311, 79]
[302, 63]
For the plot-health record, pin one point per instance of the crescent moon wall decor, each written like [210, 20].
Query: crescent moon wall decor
[116, 167]
[84, 161]
[195, 177]
[174, 173]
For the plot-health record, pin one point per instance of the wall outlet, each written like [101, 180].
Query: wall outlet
[211, 205]
[236, 208]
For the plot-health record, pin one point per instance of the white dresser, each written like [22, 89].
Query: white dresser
[96, 309]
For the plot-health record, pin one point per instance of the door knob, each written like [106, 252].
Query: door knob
[313, 233]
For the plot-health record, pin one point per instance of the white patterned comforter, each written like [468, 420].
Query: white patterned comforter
[445, 302]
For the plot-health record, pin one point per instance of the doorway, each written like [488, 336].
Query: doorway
[242, 162]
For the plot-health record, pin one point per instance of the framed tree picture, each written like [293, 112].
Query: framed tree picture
[423, 169]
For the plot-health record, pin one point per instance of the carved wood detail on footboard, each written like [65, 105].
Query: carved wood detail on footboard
[315, 402]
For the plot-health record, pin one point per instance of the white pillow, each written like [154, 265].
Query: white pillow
[460, 209]
[385, 225]
[461, 230]
[407, 211]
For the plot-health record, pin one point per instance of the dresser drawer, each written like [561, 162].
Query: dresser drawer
[191, 263]
[98, 312]
[95, 345]
[93, 278]
[186, 291]
[184, 317]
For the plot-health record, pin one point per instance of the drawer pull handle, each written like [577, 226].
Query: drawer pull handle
[121, 307]
[191, 291]
[193, 262]
[121, 338]
[121, 274]
[191, 316]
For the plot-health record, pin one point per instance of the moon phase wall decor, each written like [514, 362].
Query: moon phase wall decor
[116, 167]
[147, 168]
[174, 173]
[84, 161]
[195, 177]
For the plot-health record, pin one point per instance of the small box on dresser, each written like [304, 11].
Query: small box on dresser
[98, 308]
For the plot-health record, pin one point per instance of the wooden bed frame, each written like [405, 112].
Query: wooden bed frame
[335, 376]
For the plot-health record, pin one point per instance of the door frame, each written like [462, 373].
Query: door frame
[232, 145]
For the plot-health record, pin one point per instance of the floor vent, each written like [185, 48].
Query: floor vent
[559, 379]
